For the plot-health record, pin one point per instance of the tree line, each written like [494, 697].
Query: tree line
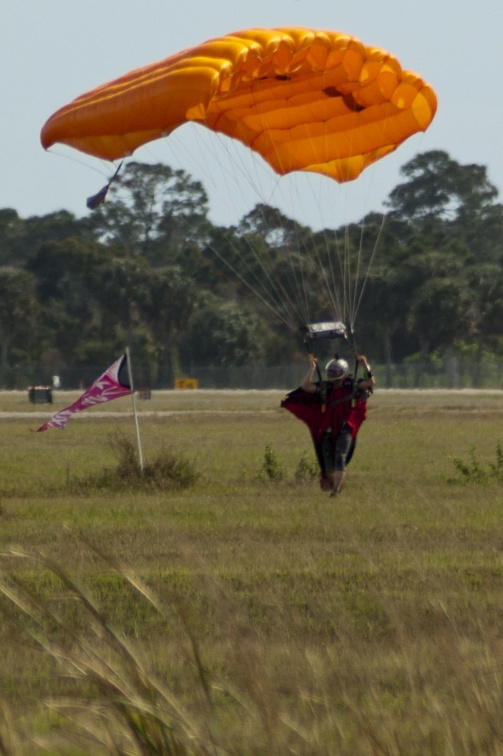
[150, 270]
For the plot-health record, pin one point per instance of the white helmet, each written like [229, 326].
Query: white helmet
[336, 370]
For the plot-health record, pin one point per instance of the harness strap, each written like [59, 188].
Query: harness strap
[341, 401]
[349, 398]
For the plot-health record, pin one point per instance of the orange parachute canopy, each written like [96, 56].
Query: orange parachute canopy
[305, 100]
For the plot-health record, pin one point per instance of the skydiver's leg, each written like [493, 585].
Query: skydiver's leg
[325, 450]
[343, 444]
[351, 451]
[324, 484]
[318, 448]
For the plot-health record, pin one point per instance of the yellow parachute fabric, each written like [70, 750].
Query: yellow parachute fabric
[305, 100]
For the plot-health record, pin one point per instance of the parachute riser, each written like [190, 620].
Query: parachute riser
[352, 344]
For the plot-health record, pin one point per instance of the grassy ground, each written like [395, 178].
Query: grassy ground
[272, 618]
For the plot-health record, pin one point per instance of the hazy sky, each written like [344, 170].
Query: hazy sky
[54, 50]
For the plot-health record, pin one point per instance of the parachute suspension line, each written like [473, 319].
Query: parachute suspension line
[321, 274]
[300, 281]
[264, 300]
[258, 272]
[338, 264]
[331, 277]
[369, 266]
[293, 268]
[347, 275]
[348, 286]
[352, 345]
[342, 284]
[268, 290]
[294, 290]
[356, 277]
[298, 270]
[254, 285]
[325, 277]
[283, 286]
[332, 270]
[326, 271]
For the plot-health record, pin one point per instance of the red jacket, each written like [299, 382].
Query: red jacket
[329, 407]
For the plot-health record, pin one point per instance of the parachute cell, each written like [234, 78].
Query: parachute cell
[304, 100]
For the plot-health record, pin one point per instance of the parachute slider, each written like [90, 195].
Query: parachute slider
[328, 330]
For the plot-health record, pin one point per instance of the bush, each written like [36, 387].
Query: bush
[474, 472]
[306, 470]
[168, 471]
[272, 468]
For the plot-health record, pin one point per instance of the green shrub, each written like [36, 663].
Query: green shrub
[306, 471]
[272, 468]
[475, 472]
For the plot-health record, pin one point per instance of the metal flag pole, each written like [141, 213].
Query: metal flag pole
[137, 427]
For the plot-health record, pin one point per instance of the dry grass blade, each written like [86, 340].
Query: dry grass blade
[153, 719]
[140, 586]
[9, 743]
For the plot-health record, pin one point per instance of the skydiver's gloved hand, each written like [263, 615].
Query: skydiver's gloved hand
[368, 378]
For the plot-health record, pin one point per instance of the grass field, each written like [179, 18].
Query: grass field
[250, 613]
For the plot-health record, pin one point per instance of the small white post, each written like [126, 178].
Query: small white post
[137, 427]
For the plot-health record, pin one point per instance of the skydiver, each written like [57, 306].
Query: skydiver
[334, 410]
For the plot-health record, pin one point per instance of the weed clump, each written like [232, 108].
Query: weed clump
[306, 471]
[473, 471]
[167, 471]
[272, 467]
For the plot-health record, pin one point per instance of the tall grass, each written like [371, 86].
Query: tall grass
[249, 613]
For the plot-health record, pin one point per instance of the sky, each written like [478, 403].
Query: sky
[54, 50]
